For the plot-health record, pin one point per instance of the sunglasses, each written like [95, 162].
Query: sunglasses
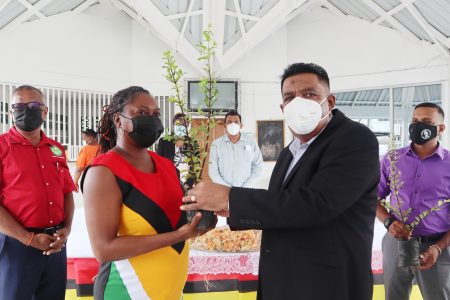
[30, 105]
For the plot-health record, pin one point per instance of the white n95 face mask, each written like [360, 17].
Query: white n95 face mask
[233, 128]
[179, 130]
[303, 115]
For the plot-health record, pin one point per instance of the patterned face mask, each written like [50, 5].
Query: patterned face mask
[420, 133]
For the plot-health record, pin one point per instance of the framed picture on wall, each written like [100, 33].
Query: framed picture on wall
[270, 135]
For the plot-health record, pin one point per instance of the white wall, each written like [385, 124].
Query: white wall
[88, 51]
[103, 50]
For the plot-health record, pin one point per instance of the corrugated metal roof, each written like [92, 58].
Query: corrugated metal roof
[232, 32]
[387, 24]
[129, 6]
[32, 18]
[192, 33]
[11, 11]
[402, 96]
[377, 97]
[437, 13]
[356, 9]
[408, 20]
[428, 93]
[171, 7]
[230, 6]
[387, 5]
[56, 7]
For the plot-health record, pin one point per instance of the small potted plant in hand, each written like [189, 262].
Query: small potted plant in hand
[409, 250]
[193, 136]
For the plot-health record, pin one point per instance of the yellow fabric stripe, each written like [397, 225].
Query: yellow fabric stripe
[160, 268]
[131, 223]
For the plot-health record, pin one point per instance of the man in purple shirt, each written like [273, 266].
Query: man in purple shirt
[424, 168]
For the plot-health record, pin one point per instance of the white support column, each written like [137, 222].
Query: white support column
[445, 101]
[393, 11]
[391, 112]
[5, 111]
[241, 23]
[166, 32]
[389, 18]
[69, 104]
[276, 17]
[63, 121]
[33, 9]
[53, 113]
[186, 20]
[218, 29]
[83, 6]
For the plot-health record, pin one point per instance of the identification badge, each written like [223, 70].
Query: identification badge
[56, 151]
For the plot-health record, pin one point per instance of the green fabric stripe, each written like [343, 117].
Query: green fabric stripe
[115, 288]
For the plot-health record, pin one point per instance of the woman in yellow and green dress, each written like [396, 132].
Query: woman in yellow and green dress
[132, 198]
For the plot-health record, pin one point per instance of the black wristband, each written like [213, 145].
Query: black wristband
[388, 222]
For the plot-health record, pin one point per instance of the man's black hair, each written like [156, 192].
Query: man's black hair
[432, 105]
[302, 68]
[90, 132]
[232, 113]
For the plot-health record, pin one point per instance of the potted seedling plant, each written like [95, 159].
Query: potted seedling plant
[195, 158]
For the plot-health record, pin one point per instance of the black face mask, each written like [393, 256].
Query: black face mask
[421, 133]
[28, 119]
[146, 130]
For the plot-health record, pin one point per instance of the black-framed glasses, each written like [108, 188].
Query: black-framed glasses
[30, 105]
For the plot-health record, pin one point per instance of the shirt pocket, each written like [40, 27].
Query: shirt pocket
[60, 169]
[248, 153]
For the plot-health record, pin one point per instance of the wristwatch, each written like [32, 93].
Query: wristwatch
[388, 222]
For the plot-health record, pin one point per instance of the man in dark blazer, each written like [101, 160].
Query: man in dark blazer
[318, 214]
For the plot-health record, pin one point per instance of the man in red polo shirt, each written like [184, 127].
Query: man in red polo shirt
[36, 204]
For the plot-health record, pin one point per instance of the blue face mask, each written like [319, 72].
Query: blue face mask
[179, 130]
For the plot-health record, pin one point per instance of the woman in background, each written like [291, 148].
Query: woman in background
[87, 153]
[177, 149]
[132, 199]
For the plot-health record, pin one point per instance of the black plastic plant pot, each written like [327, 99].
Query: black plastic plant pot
[208, 218]
[409, 252]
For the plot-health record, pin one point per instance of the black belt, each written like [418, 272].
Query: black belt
[48, 230]
[430, 238]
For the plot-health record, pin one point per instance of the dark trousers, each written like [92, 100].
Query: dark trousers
[27, 274]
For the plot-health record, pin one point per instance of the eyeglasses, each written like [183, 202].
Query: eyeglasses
[30, 105]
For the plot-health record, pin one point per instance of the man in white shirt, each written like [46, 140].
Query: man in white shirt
[235, 160]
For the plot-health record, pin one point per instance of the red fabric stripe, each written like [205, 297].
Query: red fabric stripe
[240, 277]
[85, 270]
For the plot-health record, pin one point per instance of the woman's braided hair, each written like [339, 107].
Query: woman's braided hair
[107, 129]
